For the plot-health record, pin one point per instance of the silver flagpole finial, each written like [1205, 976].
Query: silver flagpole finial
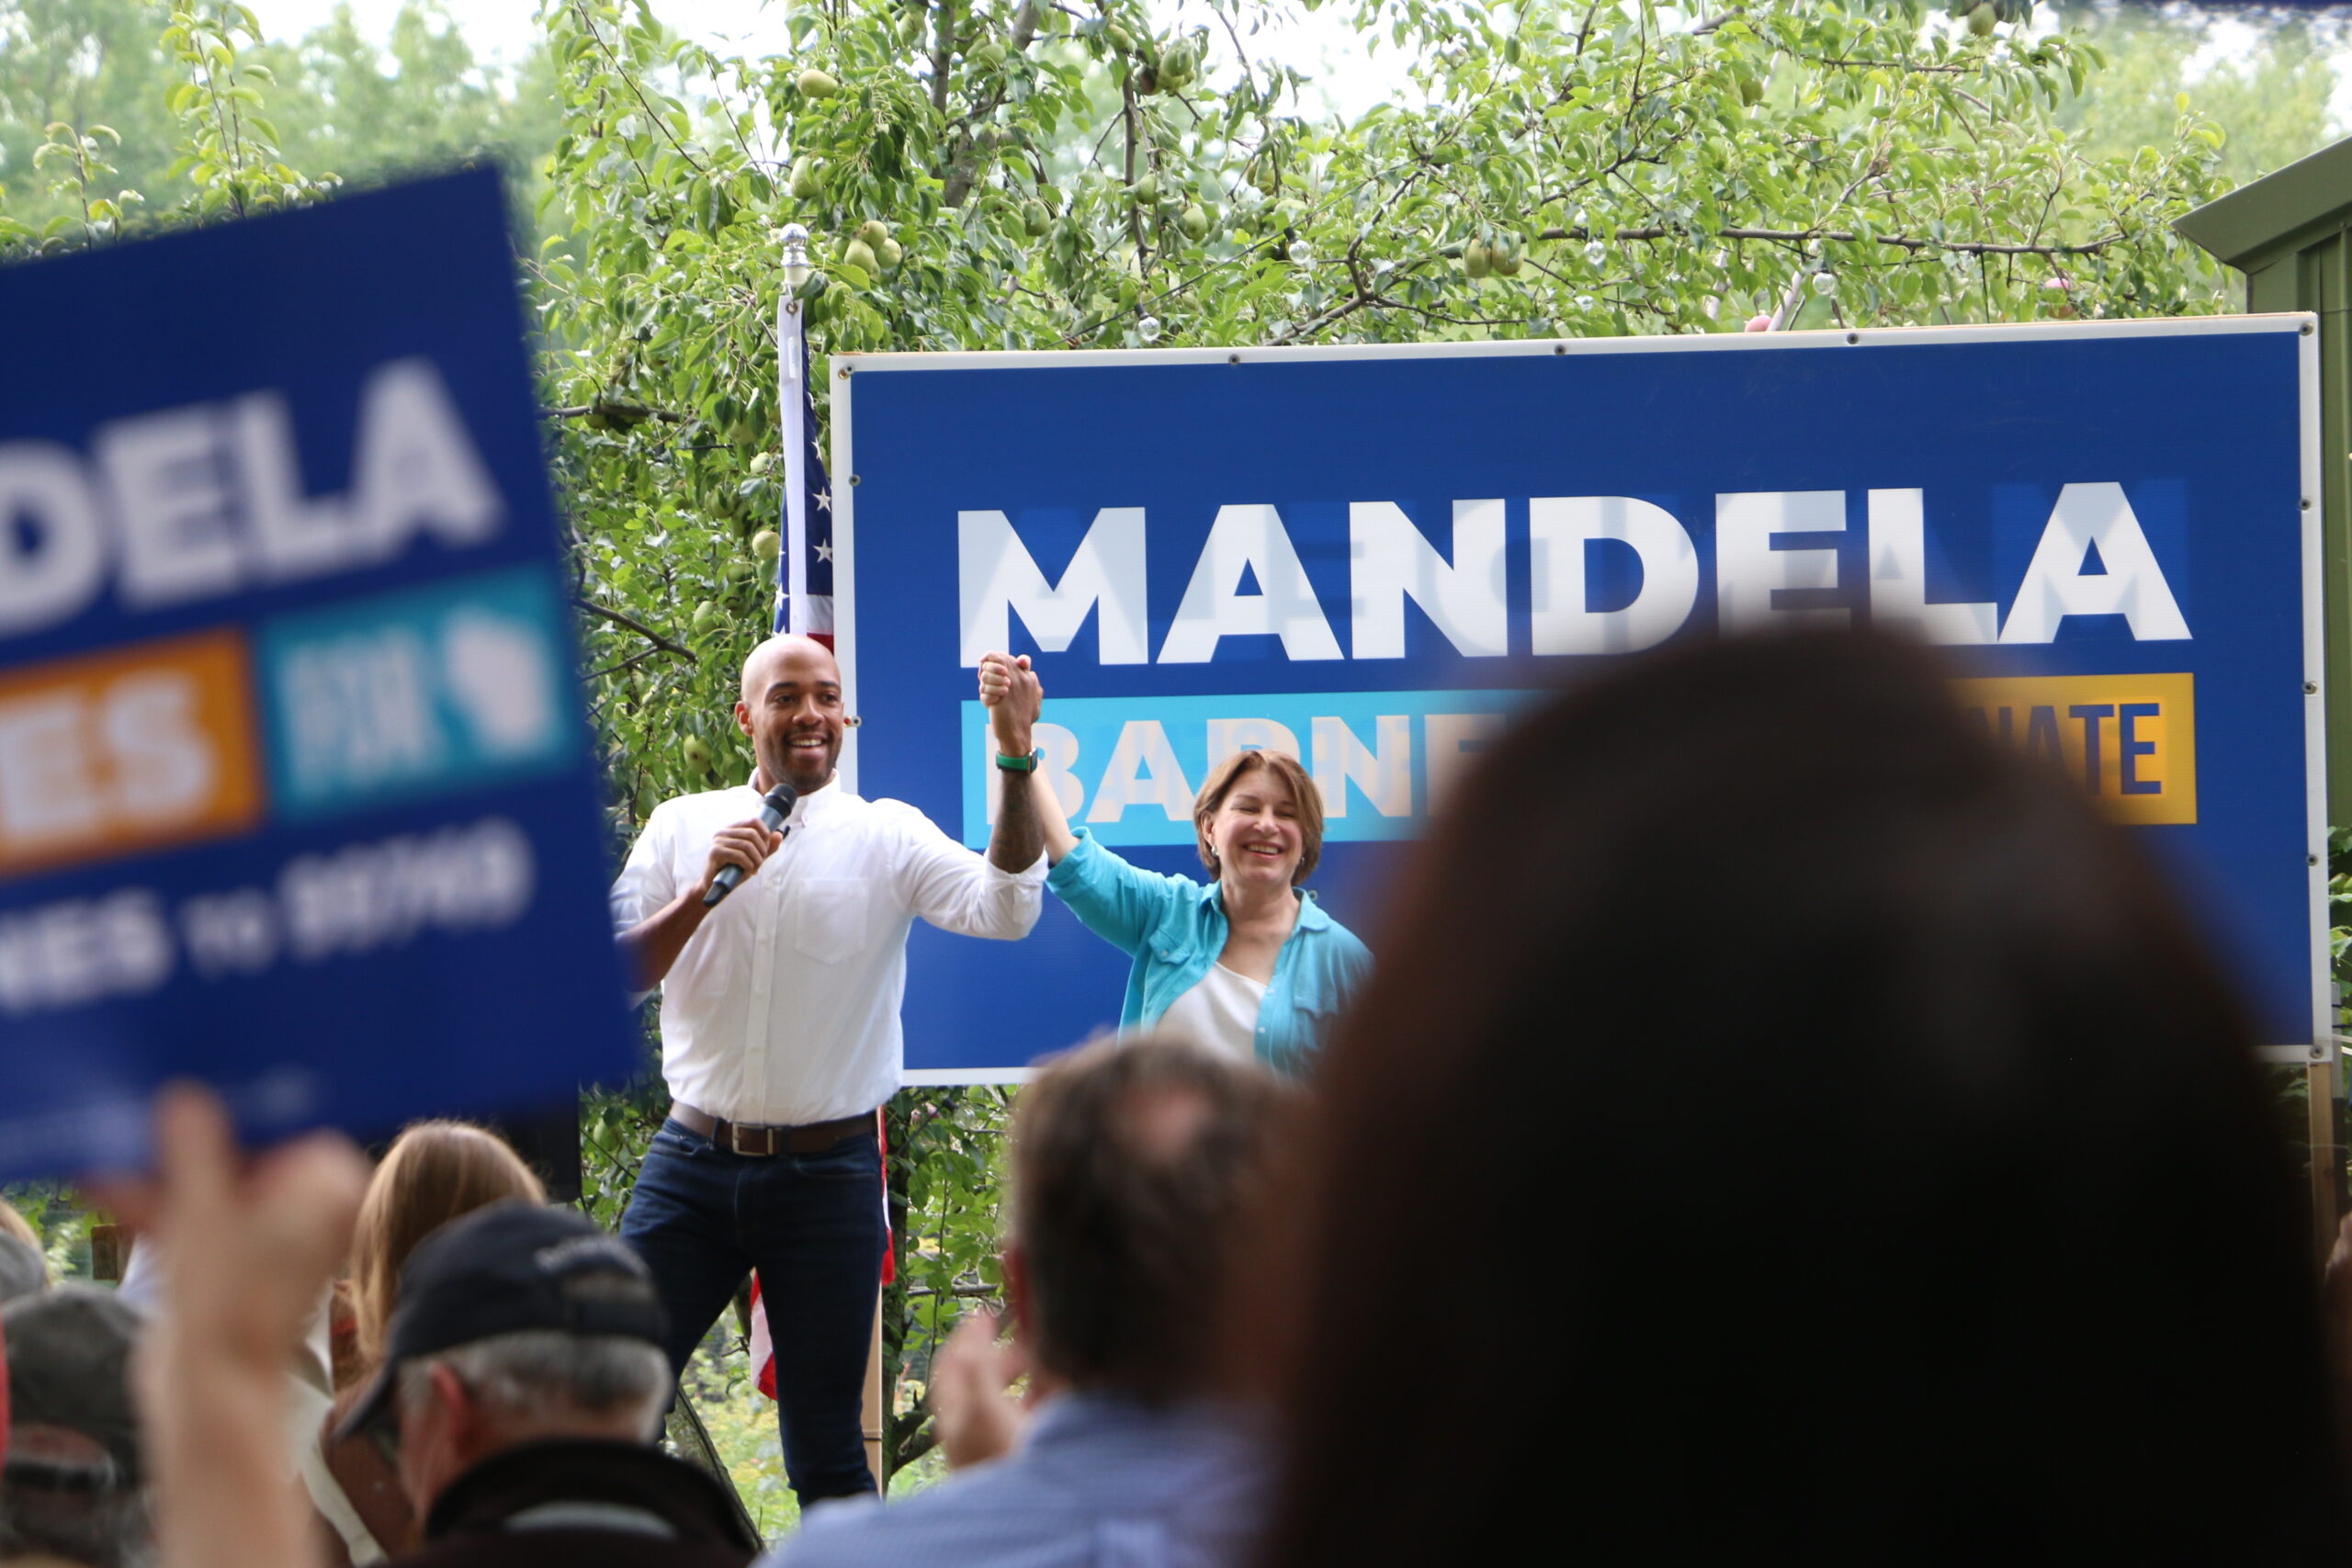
[796, 270]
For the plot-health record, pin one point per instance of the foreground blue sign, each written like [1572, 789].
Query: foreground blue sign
[295, 795]
[1370, 557]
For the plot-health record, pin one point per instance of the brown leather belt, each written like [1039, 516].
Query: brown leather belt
[813, 1138]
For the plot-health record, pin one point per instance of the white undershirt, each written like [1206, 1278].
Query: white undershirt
[1221, 1010]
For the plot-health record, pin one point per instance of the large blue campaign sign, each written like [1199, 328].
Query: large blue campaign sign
[1369, 557]
[295, 795]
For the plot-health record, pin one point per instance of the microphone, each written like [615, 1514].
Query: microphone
[773, 812]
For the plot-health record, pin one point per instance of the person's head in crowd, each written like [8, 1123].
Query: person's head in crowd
[1822, 1128]
[1135, 1166]
[1258, 816]
[516, 1324]
[24, 1266]
[434, 1172]
[72, 1482]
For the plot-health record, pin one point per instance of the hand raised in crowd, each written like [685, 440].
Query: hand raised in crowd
[744, 844]
[1012, 694]
[977, 1416]
[246, 1249]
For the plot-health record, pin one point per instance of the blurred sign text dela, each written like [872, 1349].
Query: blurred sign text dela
[199, 501]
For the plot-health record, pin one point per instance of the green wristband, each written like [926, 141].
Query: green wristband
[1021, 764]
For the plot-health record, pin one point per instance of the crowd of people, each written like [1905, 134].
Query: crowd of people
[1781, 1122]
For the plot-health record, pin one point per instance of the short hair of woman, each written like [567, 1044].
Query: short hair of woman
[434, 1172]
[1228, 773]
[1788, 1124]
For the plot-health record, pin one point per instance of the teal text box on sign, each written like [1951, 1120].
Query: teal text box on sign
[416, 693]
[1127, 769]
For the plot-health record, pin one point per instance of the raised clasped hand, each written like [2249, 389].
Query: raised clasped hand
[1012, 694]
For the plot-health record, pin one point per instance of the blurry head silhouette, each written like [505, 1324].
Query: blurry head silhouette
[1139, 1166]
[1784, 1123]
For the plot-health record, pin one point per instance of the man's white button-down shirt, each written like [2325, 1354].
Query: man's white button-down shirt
[783, 1009]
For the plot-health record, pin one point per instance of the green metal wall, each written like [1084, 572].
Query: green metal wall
[2317, 275]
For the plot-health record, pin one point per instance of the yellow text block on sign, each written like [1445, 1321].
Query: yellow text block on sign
[132, 748]
[2130, 741]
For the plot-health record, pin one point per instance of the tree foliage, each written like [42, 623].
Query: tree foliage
[97, 68]
[352, 108]
[120, 112]
[2265, 83]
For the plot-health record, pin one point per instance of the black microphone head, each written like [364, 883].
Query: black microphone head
[779, 800]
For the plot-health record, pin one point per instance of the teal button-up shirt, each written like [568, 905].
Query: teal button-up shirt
[1174, 928]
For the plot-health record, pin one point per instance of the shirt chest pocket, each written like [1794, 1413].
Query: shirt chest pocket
[1174, 943]
[828, 916]
[1317, 1001]
[1312, 1017]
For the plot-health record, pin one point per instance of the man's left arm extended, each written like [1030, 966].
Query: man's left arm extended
[1002, 895]
[968, 893]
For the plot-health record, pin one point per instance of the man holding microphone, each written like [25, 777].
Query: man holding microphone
[780, 1037]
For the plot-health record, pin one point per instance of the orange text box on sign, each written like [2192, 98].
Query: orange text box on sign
[2130, 741]
[133, 749]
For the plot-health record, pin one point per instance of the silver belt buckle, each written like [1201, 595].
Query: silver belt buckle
[735, 1131]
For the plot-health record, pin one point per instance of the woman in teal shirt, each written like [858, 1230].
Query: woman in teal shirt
[1248, 962]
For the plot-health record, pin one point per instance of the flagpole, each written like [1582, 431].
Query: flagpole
[792, 407]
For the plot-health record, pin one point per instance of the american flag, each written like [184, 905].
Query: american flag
[804, 596]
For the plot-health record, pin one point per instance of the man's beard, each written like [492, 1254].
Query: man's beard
[804, 770]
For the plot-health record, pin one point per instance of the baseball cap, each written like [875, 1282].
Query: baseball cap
[509, 1269]
[69, 1390]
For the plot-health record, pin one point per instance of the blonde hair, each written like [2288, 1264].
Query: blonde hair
[15, 1224]
[434, 1172]
[1283, 766]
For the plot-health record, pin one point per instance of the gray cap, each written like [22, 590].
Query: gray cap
[23, 1270]
[69, 1371]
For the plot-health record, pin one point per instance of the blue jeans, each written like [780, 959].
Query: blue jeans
[811, 1225]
